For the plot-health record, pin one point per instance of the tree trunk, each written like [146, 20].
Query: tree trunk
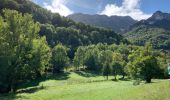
[5, 89]
[123, 77]
[66, 69]
[115, 77]
[38, 74]
[107, 77]
[13, 88]
[148, 80]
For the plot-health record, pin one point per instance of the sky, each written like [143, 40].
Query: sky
[137, 9]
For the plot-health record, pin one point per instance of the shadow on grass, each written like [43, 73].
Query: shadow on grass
[124, 79]
[59, 76]
[10, 96]
[31, 90]
[33, 86]
[87, 73]
[35, 83]
[115, 80]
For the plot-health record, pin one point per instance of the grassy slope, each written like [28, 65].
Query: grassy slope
[85, 86]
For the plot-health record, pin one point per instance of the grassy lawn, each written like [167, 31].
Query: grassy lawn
[86, 86]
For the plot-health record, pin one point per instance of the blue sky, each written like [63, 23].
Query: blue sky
[137, 9]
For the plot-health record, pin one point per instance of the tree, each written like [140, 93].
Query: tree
[59, 58]
[143, 64]
[19, 35]
[40, 57]
[105, 60]
[149, 68]
[79, 57]
[116, 68]
[22, 51]
[106, 70]
[117, 65]
[91, 58]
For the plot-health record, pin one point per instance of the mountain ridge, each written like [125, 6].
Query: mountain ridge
[119, 24]
[155, 30]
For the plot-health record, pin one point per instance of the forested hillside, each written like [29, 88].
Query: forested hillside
[55, 27]
[155, 30]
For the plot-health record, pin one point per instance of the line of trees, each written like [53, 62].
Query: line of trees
[137, 62]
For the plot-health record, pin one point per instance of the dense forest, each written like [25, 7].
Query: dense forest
[35, 41]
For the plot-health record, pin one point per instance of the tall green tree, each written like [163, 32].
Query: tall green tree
[21, 29]
[40, 57]
[60, 58]
[105, 62]
[106, 70]
[117, 65]
[18, 36]
[149, 68]
[143, 64]
[79, 57]
[91, 58]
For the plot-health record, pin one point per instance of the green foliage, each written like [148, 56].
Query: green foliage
[40, 57]
[106, 70]
[122, 60]
[59, 58]
[99, 58]
[143, 64]
[20, 49]
[117, 65]
[158, 37]
[91, 59]
[17, 36]
[79, 57]
[149, 68]
[105, 60]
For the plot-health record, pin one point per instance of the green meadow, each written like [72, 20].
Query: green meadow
[87, 86]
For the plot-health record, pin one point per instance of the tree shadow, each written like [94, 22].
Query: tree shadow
[31, 89]
[35, 83]
[59, 76]
[115, 80]
[33, 86]
[9, 96]
[124, 79]
[87, 73]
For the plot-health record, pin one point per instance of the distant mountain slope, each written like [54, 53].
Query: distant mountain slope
[155, 30]
[117, 23]
[158, 19]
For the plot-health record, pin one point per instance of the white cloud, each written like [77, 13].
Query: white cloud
[128, 8]
[58, 6]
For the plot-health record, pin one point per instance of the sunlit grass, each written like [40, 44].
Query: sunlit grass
[76, 86]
